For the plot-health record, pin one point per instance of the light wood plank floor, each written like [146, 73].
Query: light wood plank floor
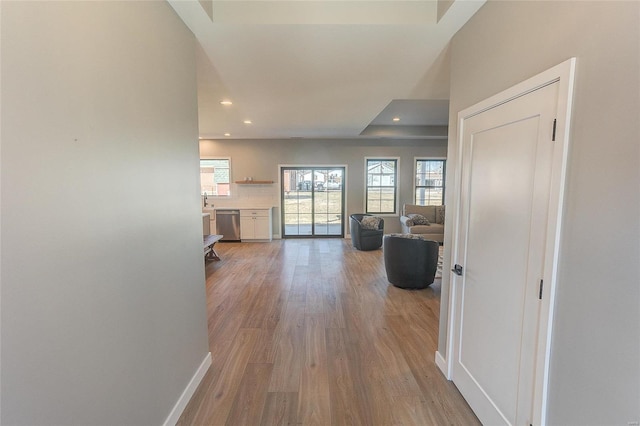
[309, 332]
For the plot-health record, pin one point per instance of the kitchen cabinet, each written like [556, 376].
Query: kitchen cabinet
[256, 224]
[212, 219]
[206, 226]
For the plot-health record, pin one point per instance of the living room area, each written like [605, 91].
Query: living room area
[264, 159]
[309, 330]
[111, 316]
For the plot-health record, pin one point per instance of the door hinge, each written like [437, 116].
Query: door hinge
[555, 123]
[540, 293]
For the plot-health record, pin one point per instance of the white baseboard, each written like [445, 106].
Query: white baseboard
[442, 365]
[188, 391]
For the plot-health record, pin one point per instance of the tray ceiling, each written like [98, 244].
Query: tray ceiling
[321, 69]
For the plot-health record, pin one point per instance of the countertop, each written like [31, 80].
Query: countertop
[213, 209]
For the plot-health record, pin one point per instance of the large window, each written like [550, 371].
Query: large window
[215, 177]
[382, 178]
[429, 184]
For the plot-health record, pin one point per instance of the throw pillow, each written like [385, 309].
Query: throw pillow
[370, 222]
[407, 236]
[440, 215]
[418, 219]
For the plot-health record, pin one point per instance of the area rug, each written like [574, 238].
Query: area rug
[439, 268]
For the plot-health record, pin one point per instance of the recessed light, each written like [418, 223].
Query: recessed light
[247, 121]
[227, 134]
[226, 102]
[396, 118]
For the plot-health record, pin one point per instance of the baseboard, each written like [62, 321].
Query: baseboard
[442, 365]
[188, 391]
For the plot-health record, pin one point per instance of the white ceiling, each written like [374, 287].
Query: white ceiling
[322, 69]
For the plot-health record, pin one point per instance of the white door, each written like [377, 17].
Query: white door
[507, 157]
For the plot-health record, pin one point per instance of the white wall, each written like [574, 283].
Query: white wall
[595, 364]
[103, 301]
[260, 159]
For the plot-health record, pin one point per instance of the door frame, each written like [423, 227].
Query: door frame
[311, 166]
[564, 74]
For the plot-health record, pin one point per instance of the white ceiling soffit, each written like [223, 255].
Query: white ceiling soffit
[313, 69]
[325, 12]
[428, 119]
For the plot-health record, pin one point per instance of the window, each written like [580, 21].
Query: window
[215, 177]
[382, 174]
[429, 185]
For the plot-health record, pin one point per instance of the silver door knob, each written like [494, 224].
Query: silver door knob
[457, 269]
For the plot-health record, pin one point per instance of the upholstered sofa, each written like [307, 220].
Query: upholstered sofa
[412, 224]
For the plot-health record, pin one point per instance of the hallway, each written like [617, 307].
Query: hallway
[308, 331]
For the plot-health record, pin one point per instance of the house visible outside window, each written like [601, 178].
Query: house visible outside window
[381, 189]
[215, 177]
[429, 184]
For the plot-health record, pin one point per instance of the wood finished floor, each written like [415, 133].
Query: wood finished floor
[309, 332]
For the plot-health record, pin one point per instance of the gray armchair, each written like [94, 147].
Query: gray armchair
[410, 260]
[362, 238]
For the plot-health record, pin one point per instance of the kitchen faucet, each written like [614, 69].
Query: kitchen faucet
[205, 198]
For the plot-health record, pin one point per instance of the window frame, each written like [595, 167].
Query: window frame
[396, 185]
[415, 177]
[228, 159]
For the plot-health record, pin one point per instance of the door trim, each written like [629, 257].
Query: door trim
[564, 74]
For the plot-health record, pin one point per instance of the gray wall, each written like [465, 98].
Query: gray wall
[103, 301]
[595, 364]
[260, 159]
[443, 6]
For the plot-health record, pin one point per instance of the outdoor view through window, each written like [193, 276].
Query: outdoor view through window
[215, 177]
[312, 201]
[381, 185]
[429, 185]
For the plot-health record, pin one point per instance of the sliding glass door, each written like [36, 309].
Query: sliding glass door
[312, 201]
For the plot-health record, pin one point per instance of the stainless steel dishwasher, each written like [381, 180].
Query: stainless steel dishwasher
[228, 224]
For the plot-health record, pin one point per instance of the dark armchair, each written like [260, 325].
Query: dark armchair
[363, 238]
[410, 260]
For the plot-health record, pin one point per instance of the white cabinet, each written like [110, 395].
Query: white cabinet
[212, 220]
[255, 224]
[206, 225]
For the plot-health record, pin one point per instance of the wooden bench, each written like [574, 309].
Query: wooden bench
[209, 241]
